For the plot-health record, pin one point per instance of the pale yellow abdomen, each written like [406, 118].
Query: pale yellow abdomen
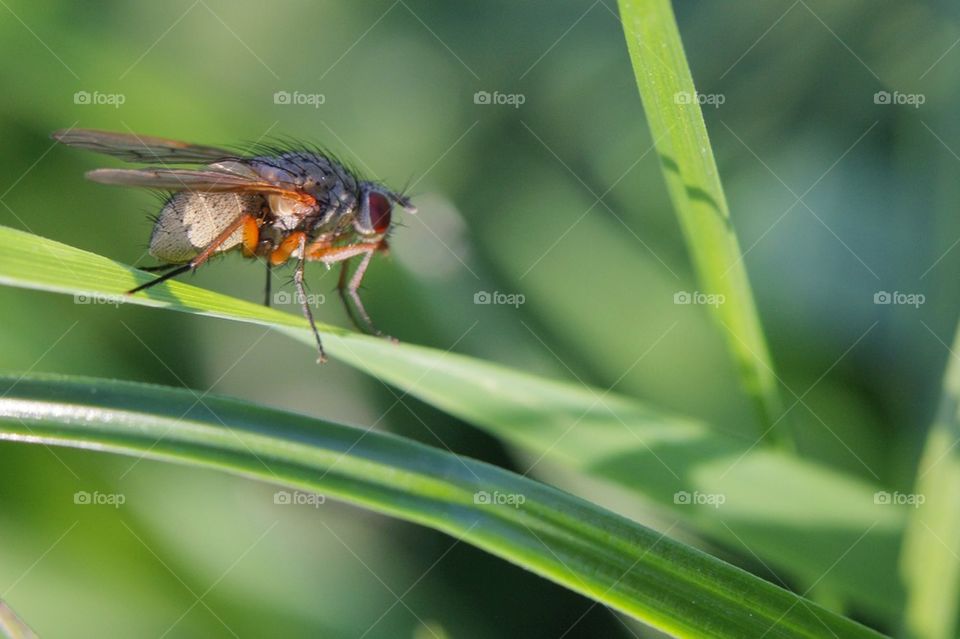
[190, 221]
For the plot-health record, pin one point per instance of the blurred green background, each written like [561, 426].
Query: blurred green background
[558, 199]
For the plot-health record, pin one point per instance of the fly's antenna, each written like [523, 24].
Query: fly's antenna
[402, 197]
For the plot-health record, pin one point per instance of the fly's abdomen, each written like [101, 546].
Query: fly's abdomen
[190, 221]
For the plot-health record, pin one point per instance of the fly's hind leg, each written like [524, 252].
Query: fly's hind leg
[183, 268]
[159, 268]
[244, 221]
[172, 271]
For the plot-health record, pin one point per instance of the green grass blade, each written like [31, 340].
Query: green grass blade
[603, 435]
[677, 126]
[11, 626]
[581, 546]
[931, 558]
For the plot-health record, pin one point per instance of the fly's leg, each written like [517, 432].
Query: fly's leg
[263, 246]
[160, 268]
[290, 243]
[302, 293]
[341, 289]
[348, 289]
[241, 222]
[266, 288]
[163, 278]
[251, 235]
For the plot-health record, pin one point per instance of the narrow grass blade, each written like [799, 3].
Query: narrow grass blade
[842, 541]
[11, 626]
[931, 557]
[618, 563]
[676, 123]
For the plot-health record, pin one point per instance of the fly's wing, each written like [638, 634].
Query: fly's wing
[207, 200]
[189, 222]
[226, 172]
[224, 177]
[141, 148]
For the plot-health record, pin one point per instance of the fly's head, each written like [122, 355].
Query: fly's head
[375, 212]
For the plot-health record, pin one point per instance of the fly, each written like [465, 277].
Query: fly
[277, 206]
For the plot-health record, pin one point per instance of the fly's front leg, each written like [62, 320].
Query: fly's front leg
[304, 301]
[348, 289]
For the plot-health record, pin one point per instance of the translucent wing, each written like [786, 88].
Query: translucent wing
[209, 180]
[141, 148]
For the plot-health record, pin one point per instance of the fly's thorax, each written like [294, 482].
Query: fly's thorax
[311, 172]
[190, 221]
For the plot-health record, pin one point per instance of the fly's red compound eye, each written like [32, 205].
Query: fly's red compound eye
[379, 206]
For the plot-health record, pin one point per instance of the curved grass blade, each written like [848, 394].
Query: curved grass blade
[843, 540]
[11, 626]
[618, 563]
[931, 556]
[676, 123]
